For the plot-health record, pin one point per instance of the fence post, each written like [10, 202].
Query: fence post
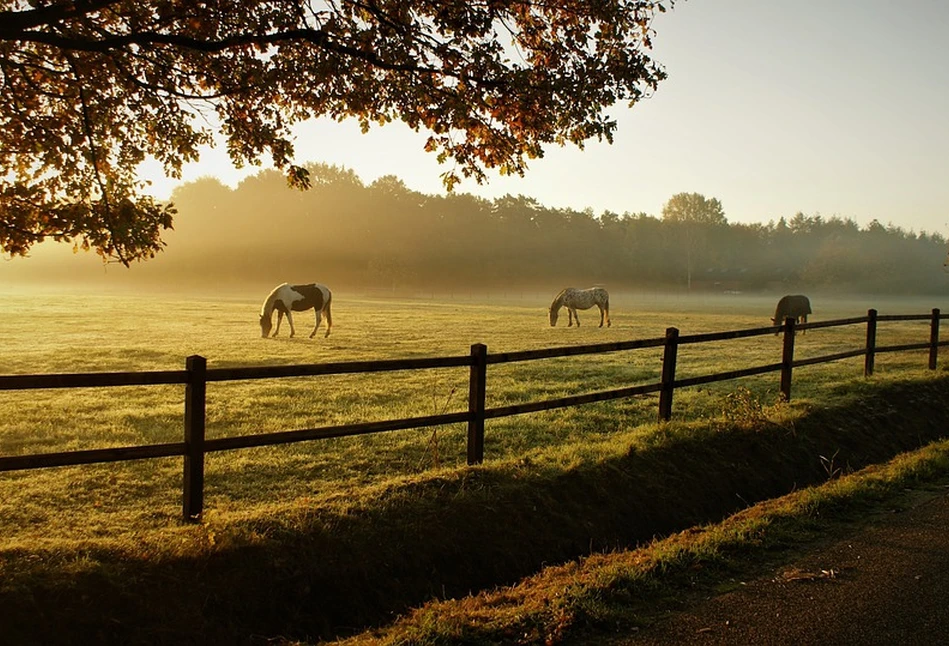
[934, 339]
[787, 358]
[477, 385]
[195, 399]
[871, 342]
[668, 377]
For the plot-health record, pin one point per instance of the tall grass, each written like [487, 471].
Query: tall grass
[55, 332]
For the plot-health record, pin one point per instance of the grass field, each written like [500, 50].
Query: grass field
[56, 332]
[324, 537]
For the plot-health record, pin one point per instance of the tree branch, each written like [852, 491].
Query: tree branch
[20, 21]
[312, 36]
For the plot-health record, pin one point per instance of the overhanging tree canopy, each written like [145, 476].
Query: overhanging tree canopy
[92, 88]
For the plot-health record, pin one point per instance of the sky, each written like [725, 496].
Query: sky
[830, 107]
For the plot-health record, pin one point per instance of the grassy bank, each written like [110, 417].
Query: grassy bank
[591, 599]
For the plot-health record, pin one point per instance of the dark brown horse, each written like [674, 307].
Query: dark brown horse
[795, 306]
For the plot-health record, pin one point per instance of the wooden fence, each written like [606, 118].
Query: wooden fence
[196, 376]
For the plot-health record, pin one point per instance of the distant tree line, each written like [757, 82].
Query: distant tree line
[384, 235]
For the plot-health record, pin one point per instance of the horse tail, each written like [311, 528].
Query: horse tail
[329, 313]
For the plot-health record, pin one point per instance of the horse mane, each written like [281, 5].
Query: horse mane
[558, 299]
[267, 308]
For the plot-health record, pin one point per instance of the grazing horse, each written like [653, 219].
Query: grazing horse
[296, 298]
[580, 299]
[795, 306]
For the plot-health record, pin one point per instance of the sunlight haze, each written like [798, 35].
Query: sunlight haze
[832, 108]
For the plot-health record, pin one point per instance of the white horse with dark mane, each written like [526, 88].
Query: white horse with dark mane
[580, 299]
[296, 298]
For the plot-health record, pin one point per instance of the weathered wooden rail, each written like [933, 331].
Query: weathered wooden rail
[197, 375]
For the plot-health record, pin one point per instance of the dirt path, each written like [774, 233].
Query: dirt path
[886, 584]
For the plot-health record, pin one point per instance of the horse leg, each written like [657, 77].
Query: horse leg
[290, 321]
[329, 319]
[318, 320]
[279, 321]
[576, 317]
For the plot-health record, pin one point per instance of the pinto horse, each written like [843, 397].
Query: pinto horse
[580, 299]
[296, 298]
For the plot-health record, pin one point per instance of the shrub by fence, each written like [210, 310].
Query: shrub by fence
[196, 375]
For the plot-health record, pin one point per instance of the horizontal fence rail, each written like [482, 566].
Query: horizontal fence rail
[319, 369]
[726, 376]
[197, 375]
[827, 358]
[327, 432]
[91, 456]
[574, 400]
[570, 351]
[92, 380]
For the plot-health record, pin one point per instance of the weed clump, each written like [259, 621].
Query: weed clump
[742, 409]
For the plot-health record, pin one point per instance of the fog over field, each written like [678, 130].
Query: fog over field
[383, 238]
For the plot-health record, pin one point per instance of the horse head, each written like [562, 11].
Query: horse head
[266, 323]
[553, 313]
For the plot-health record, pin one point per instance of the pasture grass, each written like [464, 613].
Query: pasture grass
[78, 333]
[328, 498]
